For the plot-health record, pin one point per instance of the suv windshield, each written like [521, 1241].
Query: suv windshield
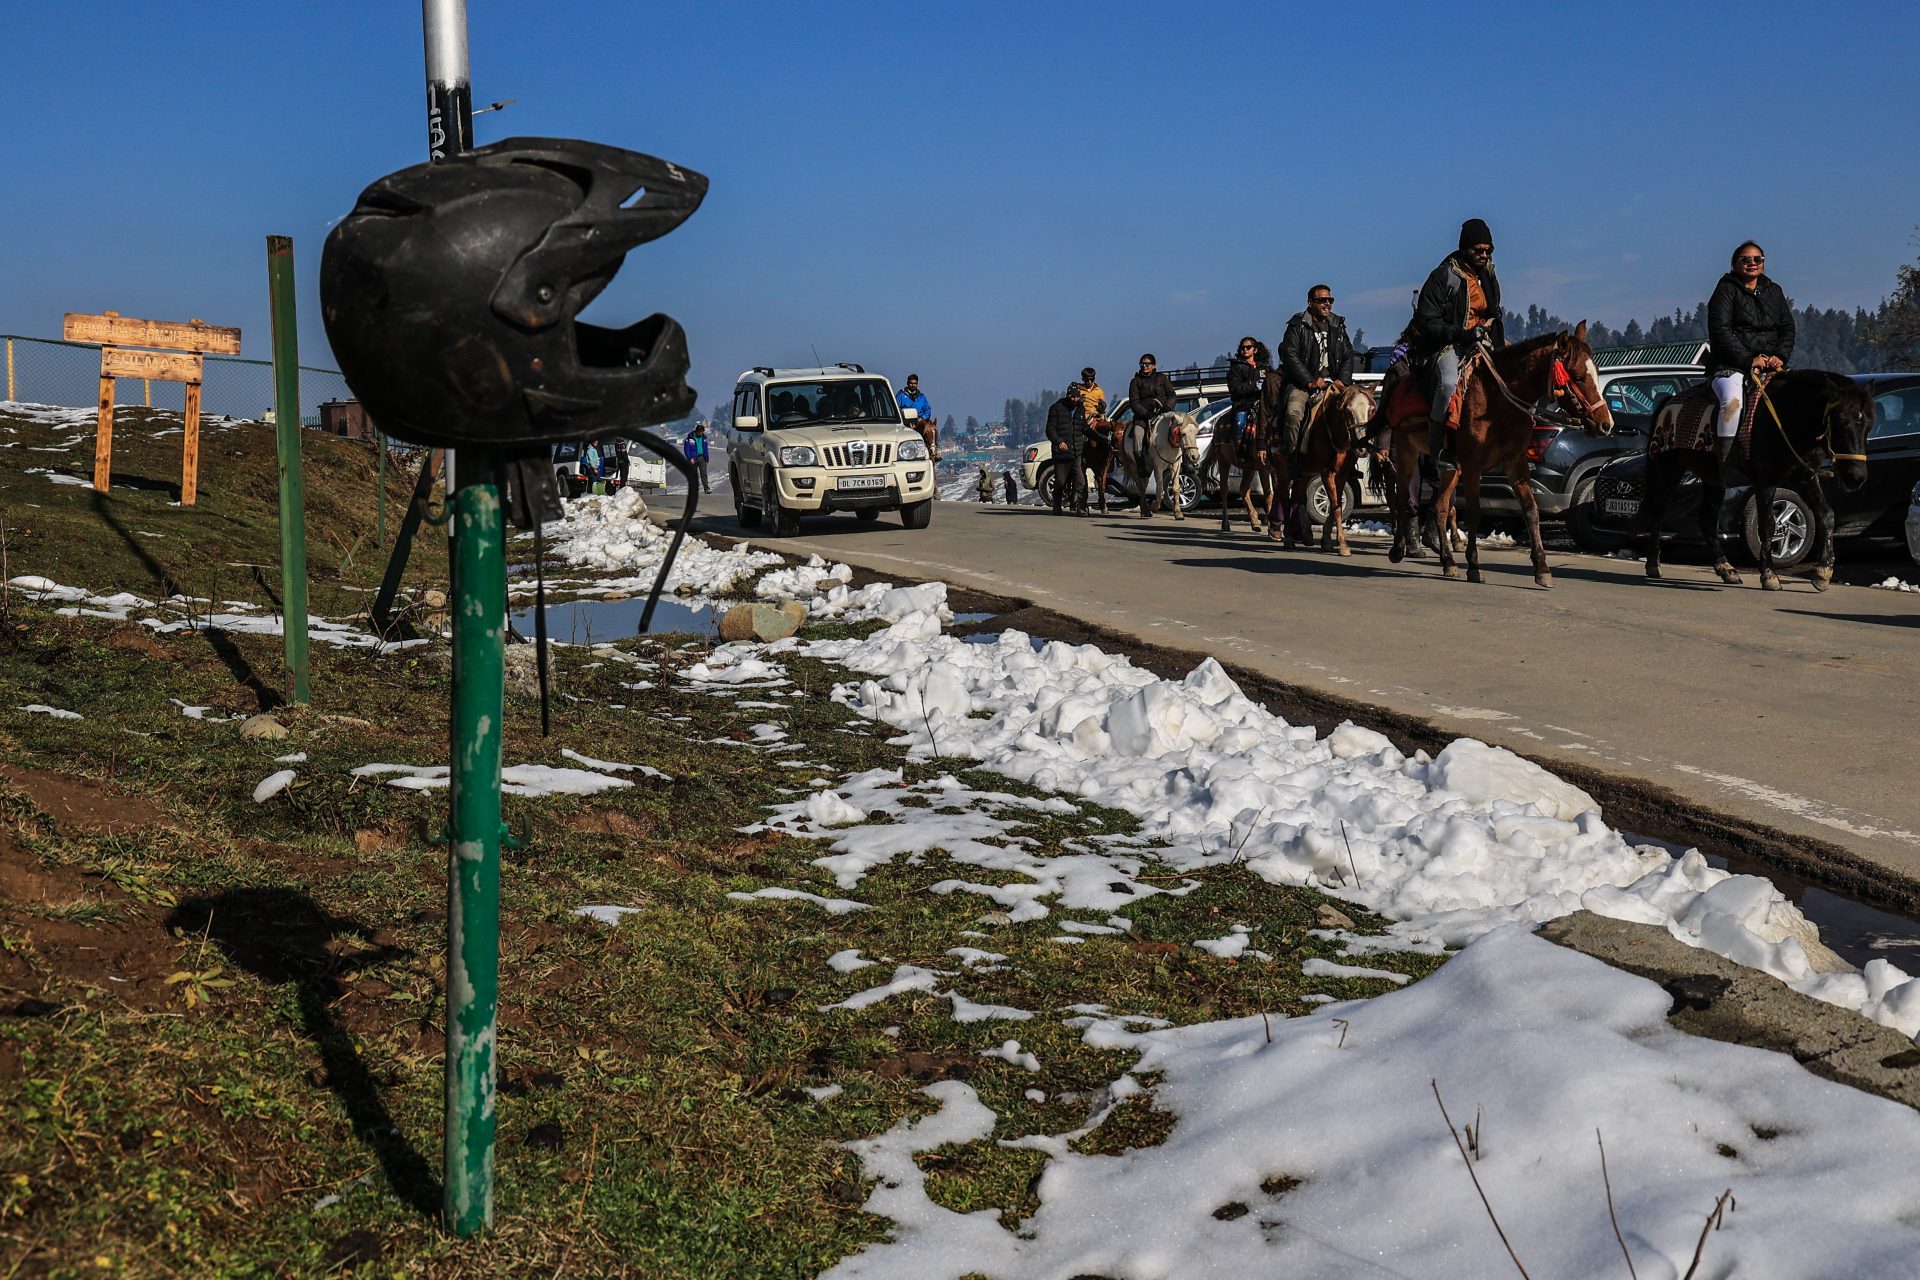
[807, 404]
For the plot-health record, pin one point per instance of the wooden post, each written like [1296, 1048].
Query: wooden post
[103, 438]
[10, 394]
[190, 448]
[146, 391]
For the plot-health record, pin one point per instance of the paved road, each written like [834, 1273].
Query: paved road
[1795, 709]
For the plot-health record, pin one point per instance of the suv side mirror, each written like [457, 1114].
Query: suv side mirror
[910, 414]
[747, 422]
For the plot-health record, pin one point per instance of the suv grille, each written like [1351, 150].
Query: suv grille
[1611, 487]
[860, 453]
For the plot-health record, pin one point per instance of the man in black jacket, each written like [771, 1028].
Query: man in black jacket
[1067, 433]
[1149, 395]
[1315, 352]
[1457, 311]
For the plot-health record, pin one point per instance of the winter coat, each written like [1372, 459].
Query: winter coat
[1243, 385]
[1300, 352]
[1150, 394]
[1440, 314]
[1066, 421]
[695, 447]
[1094, 401]
[1743, 323]
[916, 402]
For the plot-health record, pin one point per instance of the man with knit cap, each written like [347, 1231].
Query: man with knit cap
[1458, 311]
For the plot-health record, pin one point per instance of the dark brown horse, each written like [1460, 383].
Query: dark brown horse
[1253, 450]
[1805, 418]
[1102, 448]
[1334, 437]
[1499, 395]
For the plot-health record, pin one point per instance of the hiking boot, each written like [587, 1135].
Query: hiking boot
[1437, 442]
[1723, 455]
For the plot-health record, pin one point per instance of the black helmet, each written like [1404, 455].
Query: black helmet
[451, 295]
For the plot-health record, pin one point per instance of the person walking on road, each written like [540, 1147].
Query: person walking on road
[985, 486]
[695, 448]
[1013, 489]
[1315, 354]
[1750, 330]
[621, 461]
[1457, 313]
[1067, 433]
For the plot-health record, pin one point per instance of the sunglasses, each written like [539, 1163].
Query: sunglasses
[1480, 248]
[1750, 259]
[1249, 348]
[1317, 301]
[1146, 364]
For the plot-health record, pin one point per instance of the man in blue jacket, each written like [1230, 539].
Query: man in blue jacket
[911, 397]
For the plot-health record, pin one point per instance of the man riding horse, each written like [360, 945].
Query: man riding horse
[1457, 314]
[1315, 355]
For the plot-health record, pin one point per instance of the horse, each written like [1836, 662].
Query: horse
[1102, 447]
[1332, 439]
[1497, 397]
[1161, 448]
[1803, 418]
[1258, 455]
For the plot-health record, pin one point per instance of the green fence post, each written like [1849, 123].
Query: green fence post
[380, 521]
[473, 859]
[293, 494]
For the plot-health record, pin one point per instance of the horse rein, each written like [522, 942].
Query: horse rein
[1822, 442]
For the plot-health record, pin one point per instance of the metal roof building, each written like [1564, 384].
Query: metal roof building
[1663, 353]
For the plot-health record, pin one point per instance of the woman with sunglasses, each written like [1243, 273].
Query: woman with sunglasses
[1750, 331]
[1243, 383]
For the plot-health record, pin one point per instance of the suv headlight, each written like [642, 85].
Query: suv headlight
[796, 455]
[913, 451]
[1033, 451]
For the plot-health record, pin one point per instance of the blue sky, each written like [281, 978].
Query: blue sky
[992, 195]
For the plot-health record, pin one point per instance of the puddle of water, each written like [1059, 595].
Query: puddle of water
[1856, 930]
[993, 637]
[968, 619]
[584, 621]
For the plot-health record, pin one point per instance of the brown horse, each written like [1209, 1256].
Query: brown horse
[1102, 448]
[1255, 451]
[1333, 438]
[1499, 392]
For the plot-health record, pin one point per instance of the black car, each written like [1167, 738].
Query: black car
[1566, 460]
[1878, 508]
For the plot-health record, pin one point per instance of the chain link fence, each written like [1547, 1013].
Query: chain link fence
[51, 371]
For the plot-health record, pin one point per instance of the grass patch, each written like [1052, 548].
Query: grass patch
[220, 1021]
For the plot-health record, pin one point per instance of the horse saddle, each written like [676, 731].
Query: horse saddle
[1686, 421]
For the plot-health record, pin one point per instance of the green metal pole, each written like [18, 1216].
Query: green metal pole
[473, 861]
[380, 532]
[293, 493]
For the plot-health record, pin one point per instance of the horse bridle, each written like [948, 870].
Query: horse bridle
[1567, 387]
[1823, 442]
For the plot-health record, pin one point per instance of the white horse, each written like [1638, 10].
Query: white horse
[1161, 447]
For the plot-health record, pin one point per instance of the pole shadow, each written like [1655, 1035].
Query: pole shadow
[280, 935]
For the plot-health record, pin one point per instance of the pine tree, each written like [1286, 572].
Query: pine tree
[1894, 331]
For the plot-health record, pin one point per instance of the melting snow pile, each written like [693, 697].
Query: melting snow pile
[613, 533]
[1448, 848]
[1296, 1155]
[190, 613]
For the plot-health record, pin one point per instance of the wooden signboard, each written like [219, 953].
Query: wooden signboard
[178, 360]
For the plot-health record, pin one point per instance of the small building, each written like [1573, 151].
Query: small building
[346, 418]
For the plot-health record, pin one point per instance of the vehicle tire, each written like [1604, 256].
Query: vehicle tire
[1793, 528]
[1316, 502]
[1044, 485]
[867, 515]
[782, 522]
[749, 517]
[917, 515]
[1587, 535]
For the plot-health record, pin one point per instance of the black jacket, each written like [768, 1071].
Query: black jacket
[1440, 315]
[1743, 323]
[1150, 394]
[1243, 385]
[1066, 421]
[1300, 352]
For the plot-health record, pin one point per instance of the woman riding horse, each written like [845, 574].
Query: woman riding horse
[1241, 438]
[1498, 394]
[1803, 418]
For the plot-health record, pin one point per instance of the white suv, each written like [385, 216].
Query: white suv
[807, 441]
